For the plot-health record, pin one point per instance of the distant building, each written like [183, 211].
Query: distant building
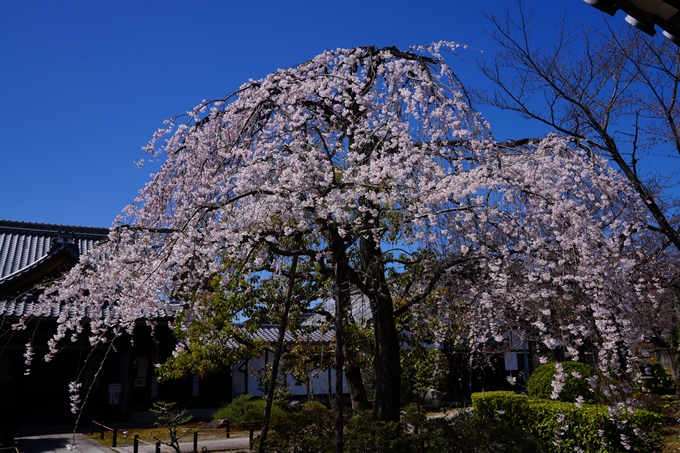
[31, 253]
[317, 384]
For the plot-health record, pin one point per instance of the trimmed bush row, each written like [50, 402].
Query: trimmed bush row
[570, 428]
[311, 431]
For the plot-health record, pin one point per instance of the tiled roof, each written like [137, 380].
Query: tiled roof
[361, 310]
[23, 245]
[270, 334]
[20, 307]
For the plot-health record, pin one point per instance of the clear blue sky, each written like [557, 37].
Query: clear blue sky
[86, 83]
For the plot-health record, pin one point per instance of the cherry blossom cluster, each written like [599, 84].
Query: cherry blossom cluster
[74, 392]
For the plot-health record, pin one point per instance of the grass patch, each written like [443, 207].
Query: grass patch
[148, 435]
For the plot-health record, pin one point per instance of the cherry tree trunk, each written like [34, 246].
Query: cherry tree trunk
[271, 386]
[342, 299]
[386, 360]
[355, 382]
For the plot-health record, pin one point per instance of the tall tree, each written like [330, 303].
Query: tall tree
[361, 163]
[615, 92]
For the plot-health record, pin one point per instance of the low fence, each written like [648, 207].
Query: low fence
[241, 429]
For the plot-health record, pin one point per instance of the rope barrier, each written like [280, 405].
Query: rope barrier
[154, 443]
[164, 449]
[102, 425]
[148, 443]
[139, 439]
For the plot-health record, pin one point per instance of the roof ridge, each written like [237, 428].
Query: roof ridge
[51, 227]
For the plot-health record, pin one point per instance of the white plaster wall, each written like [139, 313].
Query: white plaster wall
[240, 374]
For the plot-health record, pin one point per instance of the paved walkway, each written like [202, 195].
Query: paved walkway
[49, 443]
[56, 443]
[234, 443]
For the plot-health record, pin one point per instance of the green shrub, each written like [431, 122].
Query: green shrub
[569, 428]
[362, 435]
[659, 381]
[414, 416]
[470, 433]
[313, 405]
[540, 382]
[245, 411]
[310, 430]
[489, 404]
[464, 433]
[423, 369]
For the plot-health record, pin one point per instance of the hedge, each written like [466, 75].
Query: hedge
[541, 380]
[311, 430]
[570, 428]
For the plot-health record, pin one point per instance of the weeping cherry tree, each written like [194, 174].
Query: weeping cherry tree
[354, 165]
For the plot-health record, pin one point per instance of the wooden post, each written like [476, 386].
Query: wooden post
[195, 441]
[92, 426]
[250, 439]
[114, 441]
[135, 444]
[158, 446]
[228, 429]
[102, 433]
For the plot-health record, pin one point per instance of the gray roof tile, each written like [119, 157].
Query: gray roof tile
[21, 307]
[24, 244]
[270, 334]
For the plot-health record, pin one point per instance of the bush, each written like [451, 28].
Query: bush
[423, 369]
[569, 428]
[487, 405]
[245, 411]
[310, 430]
[313, 405]
[414, 416]
[540, 382]
[362, 434]
[470, 433]
[658, 380]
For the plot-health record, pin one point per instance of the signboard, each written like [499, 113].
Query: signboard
[114, 394]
